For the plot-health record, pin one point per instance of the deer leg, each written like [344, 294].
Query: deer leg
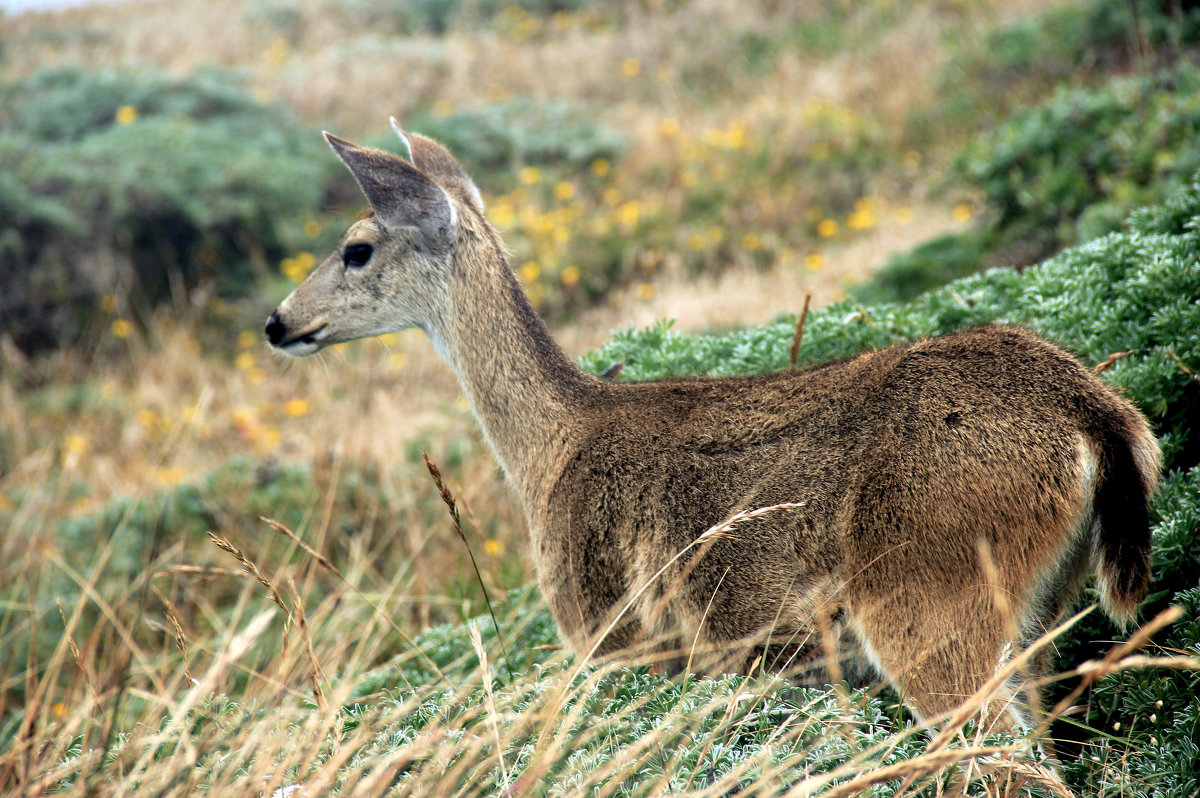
[939, 651]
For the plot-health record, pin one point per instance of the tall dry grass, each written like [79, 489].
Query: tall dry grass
[274, 699]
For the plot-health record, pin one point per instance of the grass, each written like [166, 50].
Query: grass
[275, 693]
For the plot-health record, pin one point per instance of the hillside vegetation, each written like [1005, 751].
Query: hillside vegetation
[163, 185]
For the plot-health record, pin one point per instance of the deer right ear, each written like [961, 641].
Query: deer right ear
[397, 191]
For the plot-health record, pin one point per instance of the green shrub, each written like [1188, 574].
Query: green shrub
[1134, 291]
[1128, 143]
[137, 187]
[1062, 173]
[932, 264]
[1019, 63]
[436, 17]
[500, 137]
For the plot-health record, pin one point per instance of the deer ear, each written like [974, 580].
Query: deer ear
[436, 161]
[398, 193]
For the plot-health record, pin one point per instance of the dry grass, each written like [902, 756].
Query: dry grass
[746, 295]
[296, 716]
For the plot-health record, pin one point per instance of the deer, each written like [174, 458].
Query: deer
[936, 505]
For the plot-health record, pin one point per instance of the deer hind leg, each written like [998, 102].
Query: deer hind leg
[938, 651]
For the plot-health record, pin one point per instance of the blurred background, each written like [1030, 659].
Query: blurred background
[163, 184]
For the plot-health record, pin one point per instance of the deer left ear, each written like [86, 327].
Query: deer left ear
[398, 192]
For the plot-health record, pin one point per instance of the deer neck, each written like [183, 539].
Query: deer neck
[528, 396]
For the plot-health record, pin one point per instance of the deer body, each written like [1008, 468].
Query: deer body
[938, 501]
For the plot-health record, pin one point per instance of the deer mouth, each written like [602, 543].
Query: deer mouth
[306, 341]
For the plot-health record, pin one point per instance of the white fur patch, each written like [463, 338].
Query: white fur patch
[403, 138]
[453, 210]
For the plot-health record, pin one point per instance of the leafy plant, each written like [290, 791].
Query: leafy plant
[137, 187]
[504, 136]
[437, 17]
[1062, 173]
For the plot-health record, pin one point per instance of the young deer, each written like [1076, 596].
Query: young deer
[939, 502]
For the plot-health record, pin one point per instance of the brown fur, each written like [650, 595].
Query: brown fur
[952, 492]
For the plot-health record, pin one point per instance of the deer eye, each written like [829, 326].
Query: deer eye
[357, 254]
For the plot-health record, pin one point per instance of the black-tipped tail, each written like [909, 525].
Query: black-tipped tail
[1128, 475]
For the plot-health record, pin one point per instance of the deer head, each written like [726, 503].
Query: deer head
[391, 268]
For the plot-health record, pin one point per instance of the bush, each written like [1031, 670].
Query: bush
[1062, 173]
[437, 17]
[1073, 168]
[139, 187]
[1134, 291]
[504, 136]
[932, 264]
[1019, 63]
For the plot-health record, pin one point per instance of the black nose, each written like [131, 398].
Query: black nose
[275, 330]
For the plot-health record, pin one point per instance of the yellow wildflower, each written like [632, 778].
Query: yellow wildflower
[861, 219]
[735, 136]
[631, 68]
[564, 190]
[270, 436]
[962, 212]
[503, 214]
[827, 228]
[277, 52]
[601, 167]
[169, 476]
[294, 408]
[570, 275]
[126, 115]
[530, 176]
[122, 328]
